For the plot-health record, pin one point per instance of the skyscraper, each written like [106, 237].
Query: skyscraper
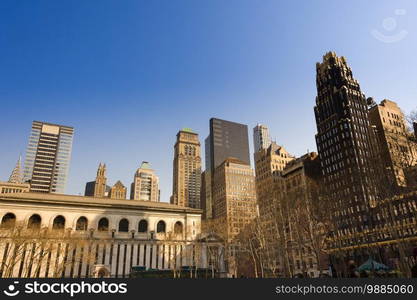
[145, 186]
[227, 139]
[234, 197]
[48, 156]
[187, 170]
[345, 145]
[269, 164]
[261, 138]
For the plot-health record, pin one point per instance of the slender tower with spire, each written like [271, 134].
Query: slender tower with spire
[15, 183]
[16, 176]
[100, 184]
[98, 187]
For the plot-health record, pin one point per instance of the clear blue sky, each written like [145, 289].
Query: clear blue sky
[129, 74]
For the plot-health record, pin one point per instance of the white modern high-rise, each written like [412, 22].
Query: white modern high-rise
[47, 157]
[261, 138]
[145, 185]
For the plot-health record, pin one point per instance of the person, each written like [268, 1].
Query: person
[352, 270]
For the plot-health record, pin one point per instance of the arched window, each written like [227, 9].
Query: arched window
[143, 226]
[103, 224]
[123, 225]
[35, 222]
[8, 220]
[178, 227]
[82, 224]
[59, 223]
[160, 227]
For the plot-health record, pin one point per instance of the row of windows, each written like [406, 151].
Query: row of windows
[190, 150]
[34, 222]
[11, 190]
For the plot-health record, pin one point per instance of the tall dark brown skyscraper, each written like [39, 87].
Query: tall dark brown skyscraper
[226, 139]
[344, 142]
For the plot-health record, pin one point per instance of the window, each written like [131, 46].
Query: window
[8, 220]
[161, 227]
[123, 225]
[143, 226]
[178, 228]
[82, 224]
[35, 222]
[59, 223]
[103, 224]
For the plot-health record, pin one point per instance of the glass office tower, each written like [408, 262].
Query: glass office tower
[226, 139]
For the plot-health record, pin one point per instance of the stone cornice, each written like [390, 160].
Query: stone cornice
[92, 202]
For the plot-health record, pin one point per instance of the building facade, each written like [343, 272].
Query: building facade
[145, 186]
[206, 180]
[69, 236]
[98, 187]
[206, 195]
[301, 224]
[48, 156]
[369, 216]
[187, 170]
[395, 143]
[118, 191]
[10, 187]
[345, 145]
[269, 164]
[234, 197]
[261, 137]
[227, 139]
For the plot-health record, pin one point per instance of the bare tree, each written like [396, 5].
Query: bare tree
[224, 248]
[35, 252]
[172, 239]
